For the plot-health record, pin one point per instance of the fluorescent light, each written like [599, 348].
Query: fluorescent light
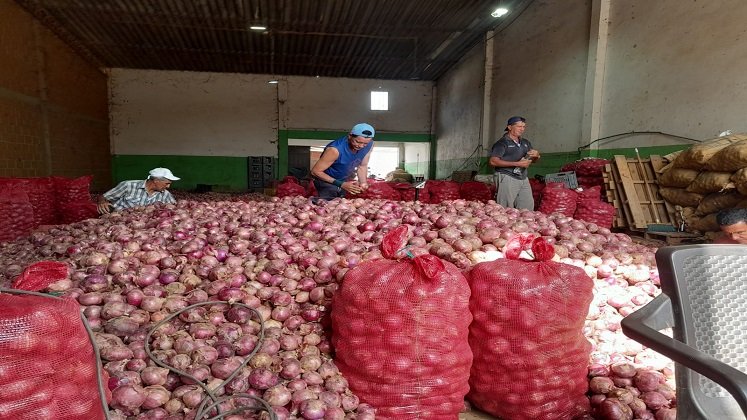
[273, 82]
[257, 28]
[499, 12]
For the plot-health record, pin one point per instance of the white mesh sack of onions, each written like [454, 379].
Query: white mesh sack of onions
[400, 333]
[530, 354]
[47, 363]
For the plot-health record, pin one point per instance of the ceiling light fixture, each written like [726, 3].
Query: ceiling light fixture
[273, 82]
[499, 12]
[258, 28]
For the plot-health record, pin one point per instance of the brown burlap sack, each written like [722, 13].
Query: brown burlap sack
[697, 156]
[712, 203]
[688, 212]
[729, 159]
[678, 177]
[710, 182]
[739, 178]
[678, 196]
[703, 224]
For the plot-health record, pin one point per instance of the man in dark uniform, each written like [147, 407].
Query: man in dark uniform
[511, 155]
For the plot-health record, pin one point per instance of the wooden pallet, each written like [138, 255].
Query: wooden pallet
[634, 190]
[613, 197]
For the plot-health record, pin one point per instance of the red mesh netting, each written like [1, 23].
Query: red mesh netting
[400, 335]
[381, 190]
[42, 199]
[72, 190]
[442, 190]
[47, 365]
[476, 191]
[16, 212]
[595, 211]
[530, 354]
[75, 212]
[589, 167]
[289, 188]
[558, 200]
[38, 276]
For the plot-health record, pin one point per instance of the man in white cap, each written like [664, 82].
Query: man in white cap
[139, 193]
[341, 158]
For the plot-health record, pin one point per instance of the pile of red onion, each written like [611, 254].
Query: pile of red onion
[285, 258]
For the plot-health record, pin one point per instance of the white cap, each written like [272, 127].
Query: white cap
[163, 173]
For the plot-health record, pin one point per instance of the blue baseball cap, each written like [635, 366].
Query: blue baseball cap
[514, 120]
[363, 130]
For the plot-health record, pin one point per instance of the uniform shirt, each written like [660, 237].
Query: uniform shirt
[133, 194]
[507, 149]
[348, 160]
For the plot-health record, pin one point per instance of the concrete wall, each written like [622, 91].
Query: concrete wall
[338, 103]
[540, 72]
[53, 105]
[202, 125]
[608, 69]
[688, 80]
[459, 107]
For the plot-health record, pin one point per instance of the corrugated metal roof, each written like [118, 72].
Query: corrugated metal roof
[380, 39]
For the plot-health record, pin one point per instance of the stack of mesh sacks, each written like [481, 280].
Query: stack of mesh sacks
[705, 179]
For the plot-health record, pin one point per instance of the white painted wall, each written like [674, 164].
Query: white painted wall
[540, 72]
[339, 103]
[459, 114]
[672, 66]
[677, 67]
[195, 114]
[221, 114]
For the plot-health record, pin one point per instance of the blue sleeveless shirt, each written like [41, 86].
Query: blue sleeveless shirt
[348, 160]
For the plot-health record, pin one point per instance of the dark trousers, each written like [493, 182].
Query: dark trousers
[327, 191]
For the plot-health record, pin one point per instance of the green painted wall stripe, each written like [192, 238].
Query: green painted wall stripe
[552, 162]
[225, 173]
[282, 166]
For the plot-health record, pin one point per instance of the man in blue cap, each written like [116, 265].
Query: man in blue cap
[511, 155]
[341, 158]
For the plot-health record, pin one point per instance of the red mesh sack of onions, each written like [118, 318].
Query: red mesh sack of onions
[47, 367]
[72, 190]
[590, 181]
[406, 191]
[400, 333]
[42, 198]
[595, 211]
[39, 275]
[476, 191]
[16, 213]
[289, 188]
[380, 190]
[537, 187]
[442, 190]
[311, 189]
[530, 354]
[558, 200]
[75, 212]
[589, 167]
[589, 193]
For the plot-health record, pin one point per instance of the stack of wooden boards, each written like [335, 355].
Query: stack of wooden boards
[633, 188]
[685, 191]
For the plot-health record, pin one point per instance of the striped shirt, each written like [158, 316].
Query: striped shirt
[133, 194]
